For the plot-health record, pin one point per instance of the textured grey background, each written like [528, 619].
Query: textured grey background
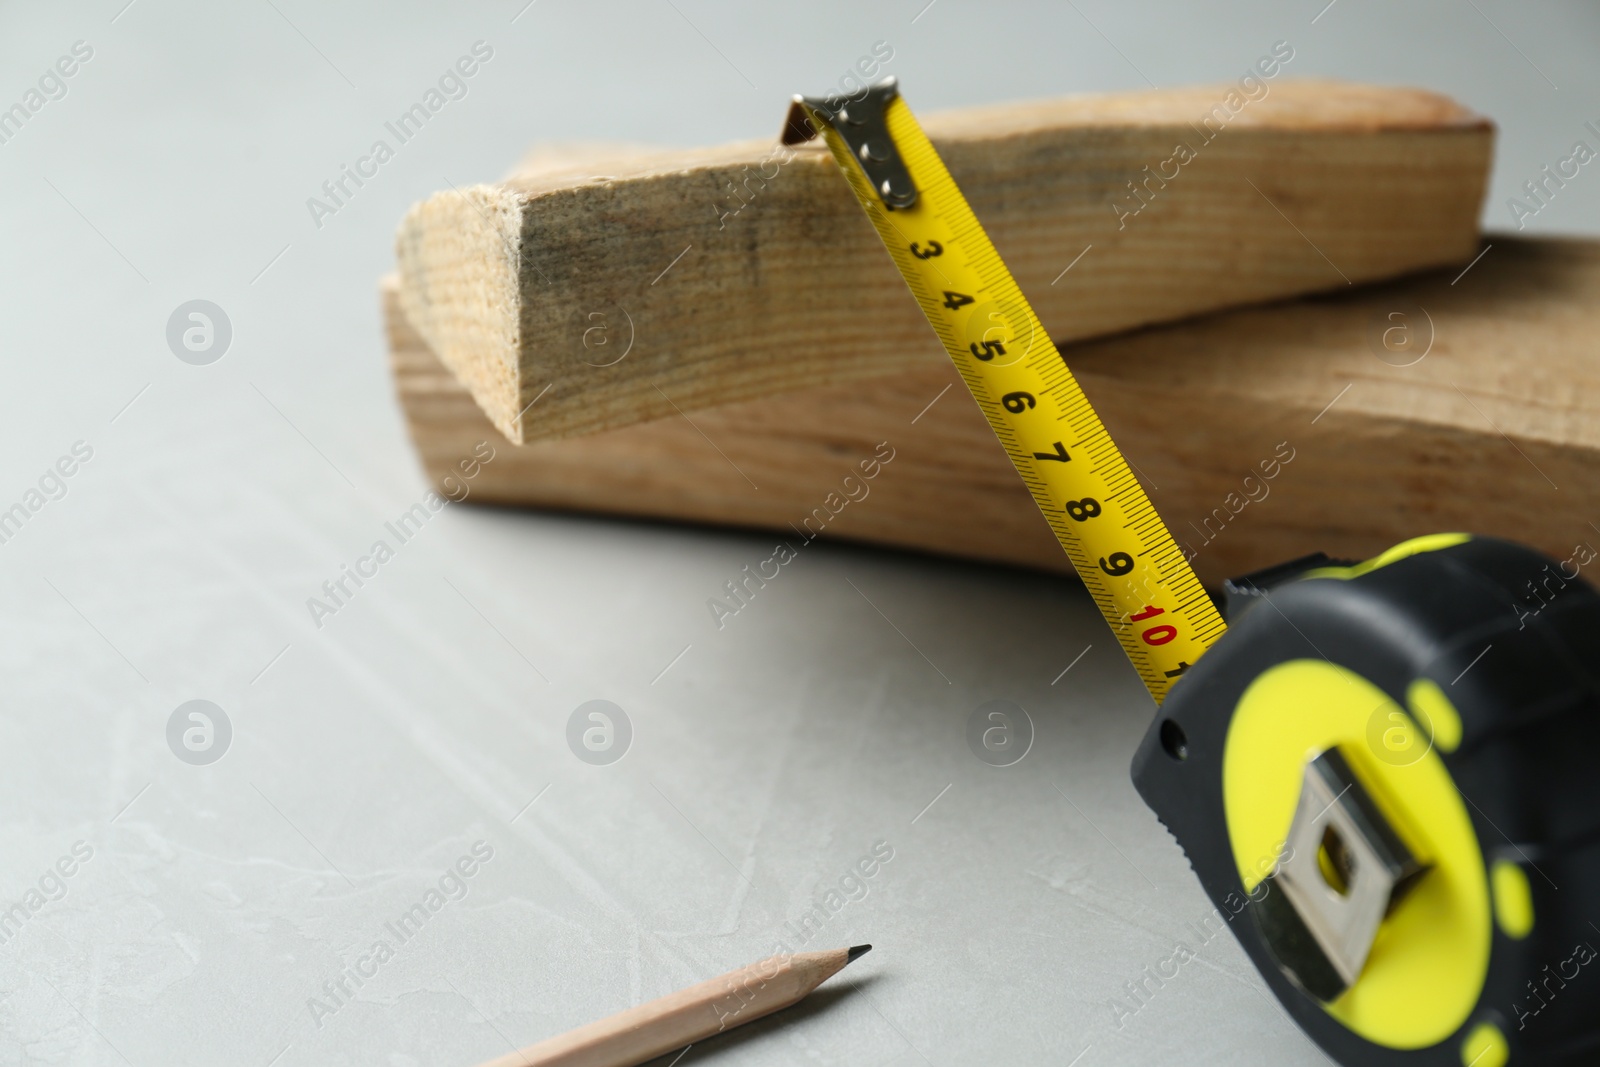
[370, 754]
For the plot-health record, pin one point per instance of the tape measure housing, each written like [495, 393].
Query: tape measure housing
[1492, 777]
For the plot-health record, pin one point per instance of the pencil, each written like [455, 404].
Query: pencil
[640, 1034]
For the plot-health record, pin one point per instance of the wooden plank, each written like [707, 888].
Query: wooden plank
[1495, 430]
[739, 272]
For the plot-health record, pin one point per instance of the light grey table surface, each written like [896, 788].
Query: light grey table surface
[370, 754]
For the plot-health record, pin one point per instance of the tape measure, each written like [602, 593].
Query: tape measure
[1136, 573]
[1382, 774]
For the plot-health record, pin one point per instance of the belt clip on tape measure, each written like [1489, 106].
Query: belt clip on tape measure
[1383, 772]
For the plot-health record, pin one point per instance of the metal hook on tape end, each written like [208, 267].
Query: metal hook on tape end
[863, 125]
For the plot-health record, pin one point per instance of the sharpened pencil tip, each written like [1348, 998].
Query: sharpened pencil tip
[856, 952]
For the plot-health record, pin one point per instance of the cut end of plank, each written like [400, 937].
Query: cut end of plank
[463, 250]
[855, 953]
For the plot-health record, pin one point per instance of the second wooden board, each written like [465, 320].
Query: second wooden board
[1343, 424]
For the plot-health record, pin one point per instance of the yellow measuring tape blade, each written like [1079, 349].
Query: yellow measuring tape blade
[1137, 575]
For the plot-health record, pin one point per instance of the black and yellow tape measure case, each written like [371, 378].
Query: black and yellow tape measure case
[1457, 680]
